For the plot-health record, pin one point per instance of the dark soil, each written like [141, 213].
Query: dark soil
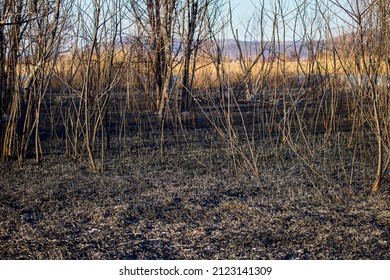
[187, 205]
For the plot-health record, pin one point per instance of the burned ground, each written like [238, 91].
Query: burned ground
[188, 204]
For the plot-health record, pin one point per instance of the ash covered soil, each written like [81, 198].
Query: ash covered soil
[187, 205]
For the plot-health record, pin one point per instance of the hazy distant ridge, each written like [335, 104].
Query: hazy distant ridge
[253, 49]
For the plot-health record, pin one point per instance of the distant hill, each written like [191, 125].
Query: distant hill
[250, 49]
[253, 49]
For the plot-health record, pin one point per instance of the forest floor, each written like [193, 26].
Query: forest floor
[187, 204]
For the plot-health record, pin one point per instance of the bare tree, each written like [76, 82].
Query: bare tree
[193, 21]
[156, 21]
[370, 24]
[36, 28]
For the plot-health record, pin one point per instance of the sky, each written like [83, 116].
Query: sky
[245, 10]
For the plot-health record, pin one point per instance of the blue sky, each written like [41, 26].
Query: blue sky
[244, 10]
